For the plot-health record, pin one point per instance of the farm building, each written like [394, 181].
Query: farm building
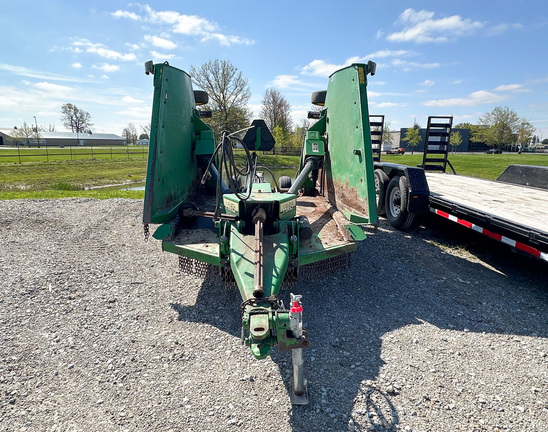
[13, 137]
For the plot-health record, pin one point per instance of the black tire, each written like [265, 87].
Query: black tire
[201, 97]
[284, 182]
[397, 196]
[381, 183]
[318, 98]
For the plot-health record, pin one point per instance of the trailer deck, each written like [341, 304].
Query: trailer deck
[517, 214]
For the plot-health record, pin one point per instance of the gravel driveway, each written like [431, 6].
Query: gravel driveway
[101, 333]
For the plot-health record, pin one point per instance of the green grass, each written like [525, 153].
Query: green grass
[271, 161]
[69, 176]
[64, 179]
[487, 166]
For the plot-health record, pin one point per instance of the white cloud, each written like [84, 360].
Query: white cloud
[407, 65]
[477, 98]
[194, 25]
[291, 81]
[320, 68]
[23, 71]
[517, 88]
[420, 27]
[324, 69]
[77, 65]
[502, 28]
[126, 14]
[159, 42]
[136, 113]
[427, 83]
[101, 50]
[110, 54]
[227, 40]
[53, 88]
[105, 67]
[161, 56]
[131, 100]
[387, 53]
[387, 104]
[191, 25]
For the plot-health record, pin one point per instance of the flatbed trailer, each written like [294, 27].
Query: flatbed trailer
[514, 214]
[513, 209]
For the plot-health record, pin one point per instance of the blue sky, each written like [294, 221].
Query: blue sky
[460, 58]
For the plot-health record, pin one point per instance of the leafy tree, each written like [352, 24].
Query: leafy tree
[276, 111]
[412, 136]
[525, 133]
[455, 140]
[294, 141]
[75, 119]
[387, 138]
[279, 135]
[25, 132]
[130, 133]
[228, 94]
[146, 131]
[545, 141]
[475, 131]
[501, 126]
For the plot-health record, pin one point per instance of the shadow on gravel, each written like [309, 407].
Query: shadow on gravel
[396, 280]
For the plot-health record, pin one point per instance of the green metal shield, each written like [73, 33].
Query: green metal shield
[172, 167]
[349, 159]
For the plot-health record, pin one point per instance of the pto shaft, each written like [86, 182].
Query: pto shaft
[258, 221]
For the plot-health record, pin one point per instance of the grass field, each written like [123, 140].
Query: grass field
[71, 153]
[73, 178]
[487, 166]
[65, 178]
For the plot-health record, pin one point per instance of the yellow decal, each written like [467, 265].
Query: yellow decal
[361, 75]
[288, 206]
[230, 206]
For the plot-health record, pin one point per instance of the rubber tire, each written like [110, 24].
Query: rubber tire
[397, 196]
[318, 98]
[381, 183]
[284, 183]
[201, 97]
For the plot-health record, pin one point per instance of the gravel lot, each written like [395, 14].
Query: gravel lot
[101, 333]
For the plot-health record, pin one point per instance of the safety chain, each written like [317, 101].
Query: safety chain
[273, 300]
[146, 232]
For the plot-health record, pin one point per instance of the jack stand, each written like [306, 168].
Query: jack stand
[299, 392]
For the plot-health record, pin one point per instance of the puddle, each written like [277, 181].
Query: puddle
[290, 172]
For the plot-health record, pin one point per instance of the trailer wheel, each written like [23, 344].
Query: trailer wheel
[397, 196]
[381, 182]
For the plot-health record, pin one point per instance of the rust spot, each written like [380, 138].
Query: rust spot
[345, 198]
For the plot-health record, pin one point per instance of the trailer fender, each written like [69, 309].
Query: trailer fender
[418, 193]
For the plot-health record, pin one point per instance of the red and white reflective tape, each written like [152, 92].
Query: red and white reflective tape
[520, 246]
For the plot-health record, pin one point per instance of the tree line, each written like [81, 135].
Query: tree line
[498, 128]
[229, 94]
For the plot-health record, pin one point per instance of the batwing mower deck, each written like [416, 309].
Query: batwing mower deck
[219, 217]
